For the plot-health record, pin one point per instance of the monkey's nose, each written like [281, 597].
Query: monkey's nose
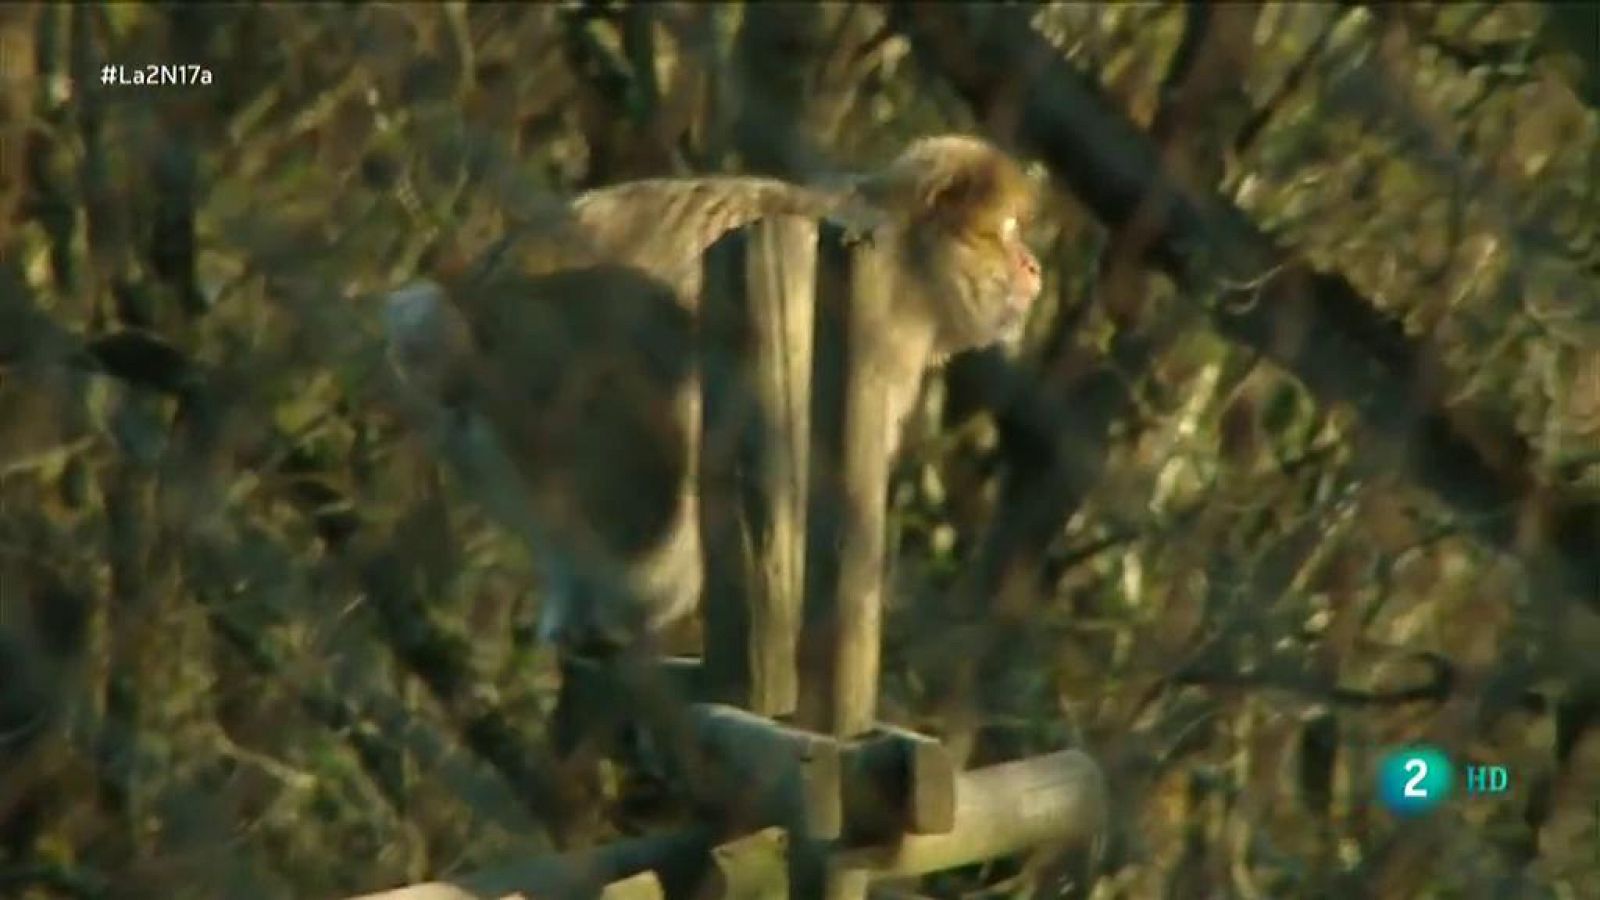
[1030, 265]
[1032, 279]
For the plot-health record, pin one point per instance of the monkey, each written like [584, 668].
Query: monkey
[556, 370]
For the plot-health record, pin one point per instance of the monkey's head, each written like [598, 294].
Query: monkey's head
[959, 204]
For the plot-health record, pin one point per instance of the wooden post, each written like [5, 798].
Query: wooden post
[756, 368]
[849, 481]
[846, 519]
[858, 596]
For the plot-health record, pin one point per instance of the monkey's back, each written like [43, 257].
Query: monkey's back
[583, 347]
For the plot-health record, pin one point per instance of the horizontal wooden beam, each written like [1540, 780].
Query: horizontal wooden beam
[889, 781]
[754, 771]
[770, 774]
[1000, 810]
[1057, 799]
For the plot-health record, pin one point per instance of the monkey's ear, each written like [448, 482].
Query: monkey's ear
[962, 195]
[429, 340]
[971, 185]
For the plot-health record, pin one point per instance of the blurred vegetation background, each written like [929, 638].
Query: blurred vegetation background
[1300, 458]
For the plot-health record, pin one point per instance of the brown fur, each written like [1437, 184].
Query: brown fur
[575, 392]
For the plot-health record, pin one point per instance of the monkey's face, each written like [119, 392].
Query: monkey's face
[958, 203]
[979, 283]
[1023, 282]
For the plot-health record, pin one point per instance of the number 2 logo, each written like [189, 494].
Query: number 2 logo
[1413, 780]
[1419, 774]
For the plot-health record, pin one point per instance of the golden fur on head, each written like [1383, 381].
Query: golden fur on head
[962, 183]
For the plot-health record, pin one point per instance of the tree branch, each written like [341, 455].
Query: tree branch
[1314, 324]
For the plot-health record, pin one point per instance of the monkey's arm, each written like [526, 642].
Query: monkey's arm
[666, 219]
[664, 226]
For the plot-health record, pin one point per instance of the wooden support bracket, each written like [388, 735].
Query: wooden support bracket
[897, 782]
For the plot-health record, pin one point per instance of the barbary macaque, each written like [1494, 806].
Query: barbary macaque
[558, 368]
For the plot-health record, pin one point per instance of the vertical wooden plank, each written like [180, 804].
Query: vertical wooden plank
[825, 490]
[858, 599]
[849, 476]
[756, 364]
[851, 433]
[724, 341]
[781, 272]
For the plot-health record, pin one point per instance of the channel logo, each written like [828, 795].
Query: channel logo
[1413, 780]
